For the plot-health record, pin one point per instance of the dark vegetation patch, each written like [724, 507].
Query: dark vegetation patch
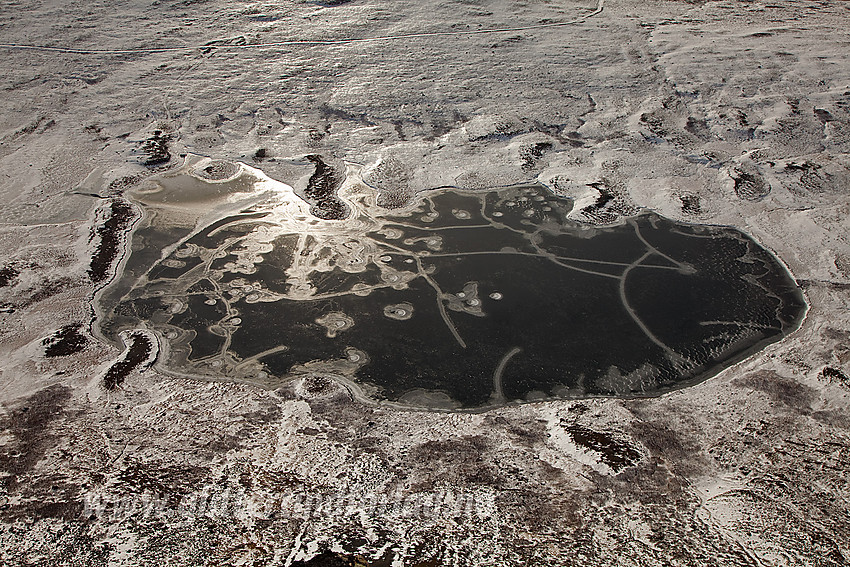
[605, 197]
[805, 166]
[321, 191]
[330, 559]
[573, 139]
[507, 41]
[690, 204]
[398, 125]
[395, 198]
[32, 126]
[163, 480]
[94, 129]
[66, 341]
[316, 386]
[531, 154]
[442, 125]
[663, 442]
[537, 507]
[264, 18]
[268, 412]
[139, 351]
[47, 498]
[8, 274]
[121, 216]
[455, 460]
[808, 284]
[330, 113]
[315, 136]
[218, 170]
[779, 388]
[261, 154]
[614, 453]
[31, 295]
[29, 425]
[559, 131]
[527, 433]
[609, 206]
[39, 492]
[831, 373]
[38, 125]
[740, 124]
[750, 186]
[656, 123]
[155, 149]
[836, 334]
[91, 80]
[810, 179]
[47, 290]
[72, 543]
[823, 115]
[794, 103]
[118, 186]
[393, 184]
[698, 127]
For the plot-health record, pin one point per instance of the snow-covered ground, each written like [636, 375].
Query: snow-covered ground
[722, 112]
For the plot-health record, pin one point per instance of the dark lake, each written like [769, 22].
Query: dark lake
[460, 300]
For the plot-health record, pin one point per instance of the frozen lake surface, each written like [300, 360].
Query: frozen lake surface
[461, 299]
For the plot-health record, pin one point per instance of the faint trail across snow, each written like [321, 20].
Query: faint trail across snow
[308, 42]
[498, 392]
